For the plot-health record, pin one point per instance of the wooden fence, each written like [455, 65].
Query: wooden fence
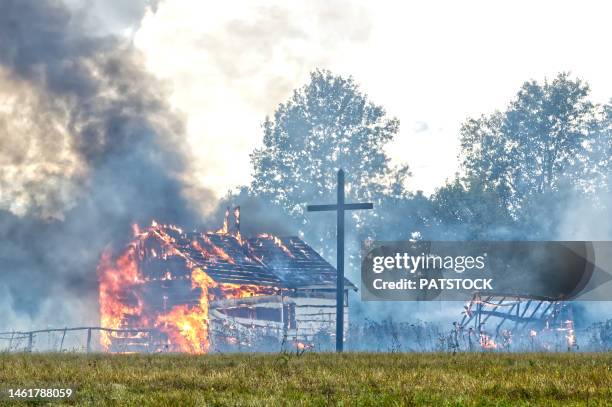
[14, 336]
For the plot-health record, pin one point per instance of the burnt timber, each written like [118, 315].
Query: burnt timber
[297, 303]
[497, 315]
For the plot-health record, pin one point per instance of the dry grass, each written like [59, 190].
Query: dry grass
[319, 379]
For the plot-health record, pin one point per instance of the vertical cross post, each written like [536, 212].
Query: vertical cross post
[340, 265]
[339, 207]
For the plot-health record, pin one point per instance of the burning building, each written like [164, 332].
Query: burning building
[177, 291]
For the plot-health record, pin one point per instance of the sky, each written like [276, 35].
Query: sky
[227, 65]
[431, 64]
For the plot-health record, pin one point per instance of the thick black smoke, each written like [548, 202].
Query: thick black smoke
[102, 151]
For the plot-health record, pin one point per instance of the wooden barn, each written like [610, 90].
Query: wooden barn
[261, 292]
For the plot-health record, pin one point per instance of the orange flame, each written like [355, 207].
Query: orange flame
[277, 242]
[487, 342]
[185, 327]
[225, 228]
[570, 335]
[114, 278]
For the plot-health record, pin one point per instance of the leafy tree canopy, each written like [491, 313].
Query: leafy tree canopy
[326, 125]
[541, 142]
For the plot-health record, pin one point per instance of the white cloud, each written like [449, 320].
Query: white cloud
[434, 62]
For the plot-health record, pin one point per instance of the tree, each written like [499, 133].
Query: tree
[602, 149]
[465, 209]
[539, 144]
[326, 125]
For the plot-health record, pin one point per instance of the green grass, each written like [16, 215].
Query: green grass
[318, 379]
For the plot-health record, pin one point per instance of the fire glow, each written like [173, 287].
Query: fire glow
[183, 326]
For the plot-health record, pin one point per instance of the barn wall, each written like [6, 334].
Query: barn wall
[304, 315]
[315, 315]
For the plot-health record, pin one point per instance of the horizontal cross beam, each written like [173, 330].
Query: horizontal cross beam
[333, 207]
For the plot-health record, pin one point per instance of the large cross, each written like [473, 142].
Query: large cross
[340, 207]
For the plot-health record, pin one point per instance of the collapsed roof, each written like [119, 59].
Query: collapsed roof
[284, 262]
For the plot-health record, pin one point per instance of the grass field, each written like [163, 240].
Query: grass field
[317, 379]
